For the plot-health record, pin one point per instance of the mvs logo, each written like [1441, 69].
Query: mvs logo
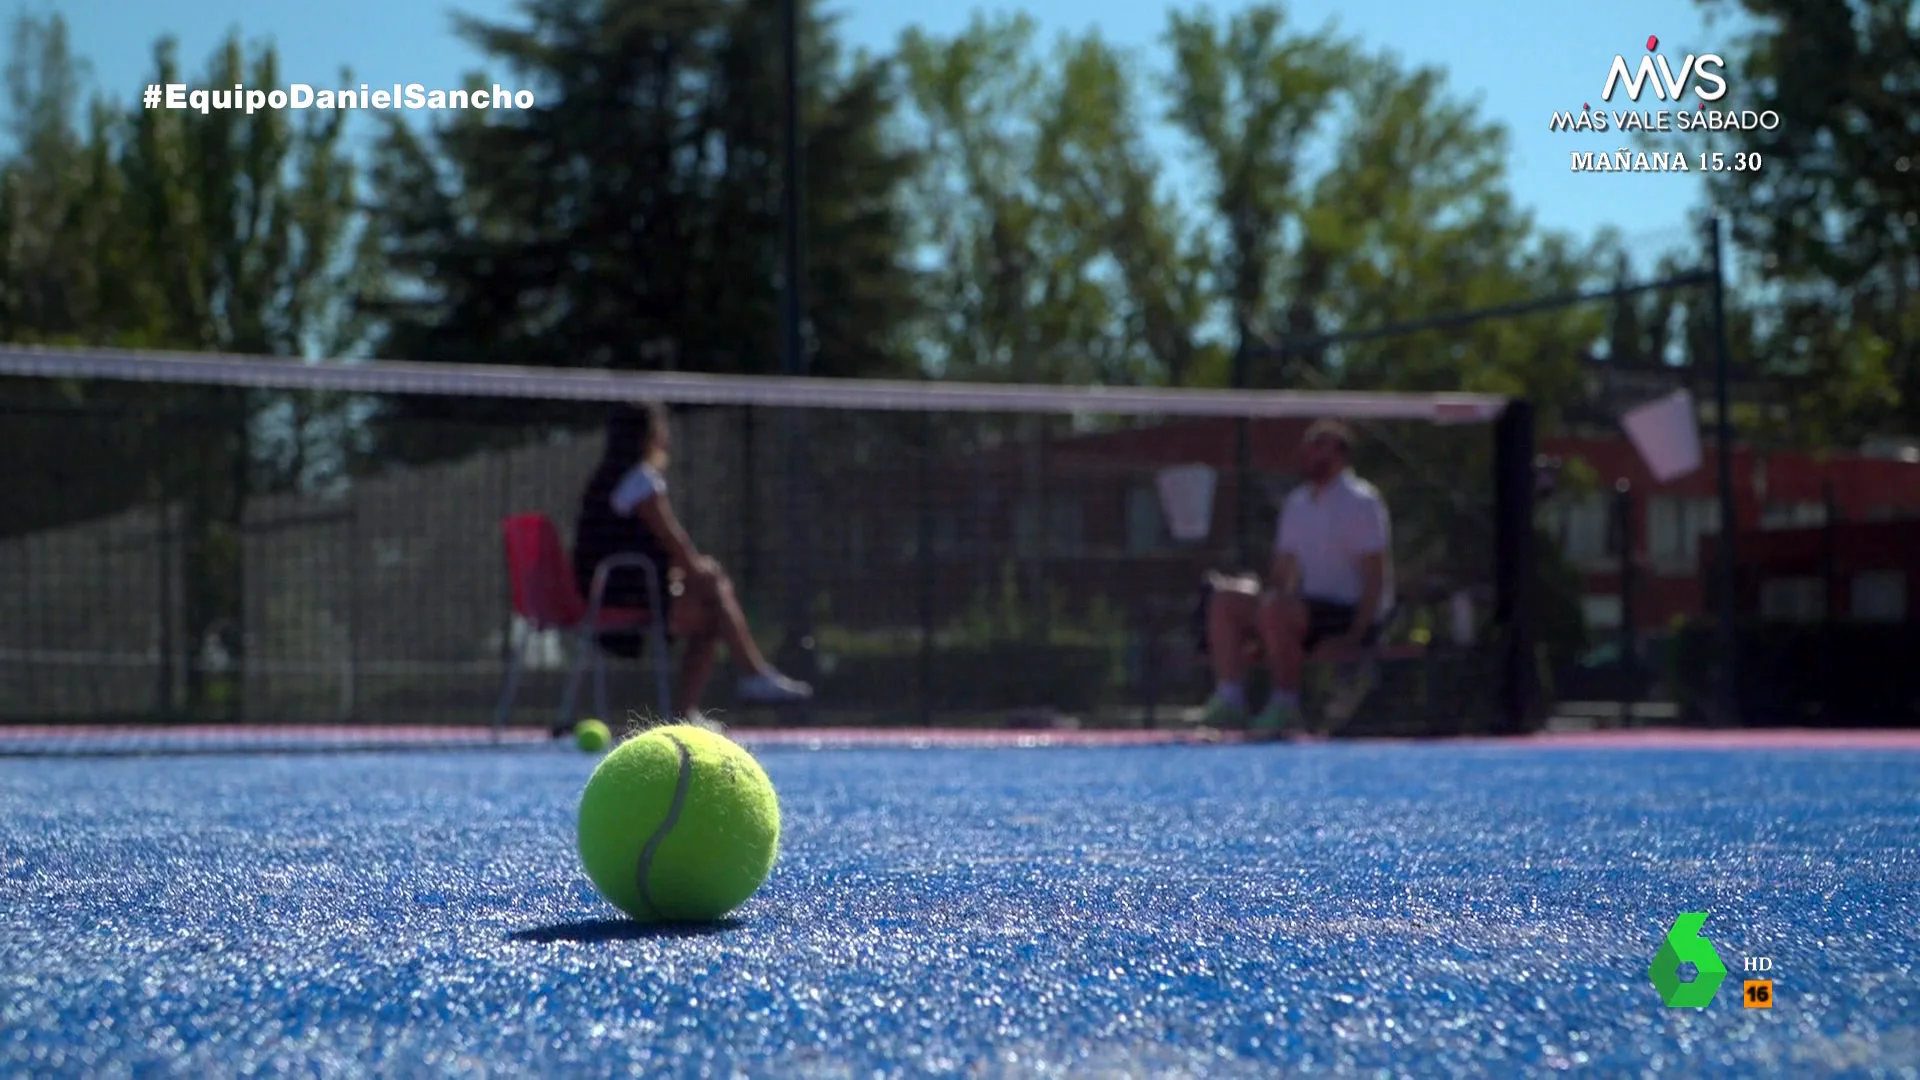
[1668, 84]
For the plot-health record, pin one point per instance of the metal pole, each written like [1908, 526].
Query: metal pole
[163, 692]
[749, 493]
[1829, 579]
[929, 579]
[1729, 519]
[1629, 662]
[1829, 552]
[1244, 555]
[798, 648]
[350, 670]
[793, 360]
[1513, 565]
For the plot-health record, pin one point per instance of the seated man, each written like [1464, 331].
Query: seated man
[1331, 584]
[625, 510]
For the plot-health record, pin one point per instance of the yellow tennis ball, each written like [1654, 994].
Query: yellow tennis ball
[678, 824]
[591, 736]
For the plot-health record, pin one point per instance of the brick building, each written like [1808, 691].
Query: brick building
[1857, 571]
[1791, 494]
[1079, 515]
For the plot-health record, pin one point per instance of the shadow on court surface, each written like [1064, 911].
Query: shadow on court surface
[589, 931]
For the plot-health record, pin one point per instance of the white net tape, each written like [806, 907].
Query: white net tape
[574, 384]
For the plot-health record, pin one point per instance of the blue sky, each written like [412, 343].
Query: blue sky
[1521, 61]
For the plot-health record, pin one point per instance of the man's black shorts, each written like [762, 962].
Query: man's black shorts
[1326, 619]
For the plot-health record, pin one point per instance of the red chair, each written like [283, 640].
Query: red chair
[546, 597]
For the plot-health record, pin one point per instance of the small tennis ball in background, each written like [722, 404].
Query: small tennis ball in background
[591, 736]
[678, 824]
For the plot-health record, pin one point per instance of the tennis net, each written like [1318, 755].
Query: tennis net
[248, 541]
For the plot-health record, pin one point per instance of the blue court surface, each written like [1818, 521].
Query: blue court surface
[1424, 910]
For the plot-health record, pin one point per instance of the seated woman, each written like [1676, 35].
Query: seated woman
[625, 510]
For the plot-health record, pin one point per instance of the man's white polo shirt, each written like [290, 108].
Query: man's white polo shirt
[1329, 531]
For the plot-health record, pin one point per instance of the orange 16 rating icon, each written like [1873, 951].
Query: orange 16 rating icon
[1759, 994]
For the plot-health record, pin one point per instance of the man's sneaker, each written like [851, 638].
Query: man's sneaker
[1276, 719]
[773, 688]
[1222, 714]
[1352, 692]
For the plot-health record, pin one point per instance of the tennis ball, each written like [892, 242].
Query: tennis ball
[591, 736]
[678, 824]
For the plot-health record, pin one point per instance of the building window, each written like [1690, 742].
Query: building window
[1800, 515]
[1065, 528]
[1601, 612]
[1674, 528]
[1890, 513]
[1584, 528]
[1146, 523]
[1068, 526]
[1879, 596]
[1797, 599]
[943, 532]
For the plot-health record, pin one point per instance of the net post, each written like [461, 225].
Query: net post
[1039, 620]
[242, 466]
[797, 650]
[1728, 634]
[1243, 543]
[1830, 577]
[350, 672]
[1629, 662]
[164, 695]
[504, 582]
[749, 502]
[1245, 547]
[929, 581]
[1513, 435]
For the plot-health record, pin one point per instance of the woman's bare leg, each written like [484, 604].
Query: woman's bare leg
[710, 603]
[696, 671]
[716, 595]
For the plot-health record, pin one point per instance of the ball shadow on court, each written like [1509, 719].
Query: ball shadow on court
[587, 931]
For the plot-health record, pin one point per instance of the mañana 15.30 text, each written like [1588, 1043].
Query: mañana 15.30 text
[1660, 161]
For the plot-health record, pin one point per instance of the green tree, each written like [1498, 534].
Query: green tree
[1415, 219]
[66, 270]
[1058, 256]
[1093, 152]
[1251, 96]
[246, 231]
[632, 219]
[1831, 218]
[220, 231]
[66, 277]
[1411, 219]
